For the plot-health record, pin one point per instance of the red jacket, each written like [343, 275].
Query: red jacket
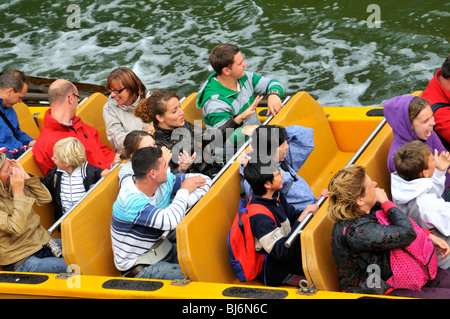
[439, 99]
[97, 154]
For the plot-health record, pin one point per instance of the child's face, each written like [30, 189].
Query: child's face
[423, 124]
[277, 180]
[61, 165]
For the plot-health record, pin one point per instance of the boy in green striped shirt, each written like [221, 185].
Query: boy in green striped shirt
[229, 96]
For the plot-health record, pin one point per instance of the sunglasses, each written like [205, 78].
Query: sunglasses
[117, 91]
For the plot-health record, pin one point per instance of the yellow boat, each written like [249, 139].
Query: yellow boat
[342, 136]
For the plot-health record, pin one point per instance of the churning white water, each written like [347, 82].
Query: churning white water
[323, 47]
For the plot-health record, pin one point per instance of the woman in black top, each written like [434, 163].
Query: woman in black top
[187, 142]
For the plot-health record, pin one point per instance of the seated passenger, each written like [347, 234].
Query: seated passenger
[133, 141]
[13, 141]
[127, 91]
[289, 147]
[228, 97]
[24, 244]
[190, 143]
[437, 93]
[360, 244]
[72, 176]
[60, 121]
[266, 180]
[137, 223]
[417, 187]
[411, 118]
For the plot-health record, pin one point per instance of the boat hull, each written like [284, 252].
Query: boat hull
[339, 134]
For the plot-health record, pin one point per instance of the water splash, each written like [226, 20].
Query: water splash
[323, 48]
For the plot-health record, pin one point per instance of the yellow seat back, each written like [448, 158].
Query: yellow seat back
[202, 235]
[26, 121]
[86, 231]
[318, 263]
[191, 112]
[91, 113]
[326, 158]
[38, 112]
[46, 212]
[86, 237]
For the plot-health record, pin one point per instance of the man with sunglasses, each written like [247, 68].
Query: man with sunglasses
[13, 141]
[60, 121]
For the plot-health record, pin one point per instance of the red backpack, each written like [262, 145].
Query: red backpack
[244, 259]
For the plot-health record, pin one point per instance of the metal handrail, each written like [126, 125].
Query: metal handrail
[243, 147]
[60, 220]
[358, 153]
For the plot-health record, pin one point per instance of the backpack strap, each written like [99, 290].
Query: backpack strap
[8, 123]
[242, 209]
[255, 209]
[251, 210]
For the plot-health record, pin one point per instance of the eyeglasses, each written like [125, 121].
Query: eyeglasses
[278, 173]
[78, 97]
[117, 91]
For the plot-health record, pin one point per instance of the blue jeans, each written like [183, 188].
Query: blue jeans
[168, 268]
[46, 265]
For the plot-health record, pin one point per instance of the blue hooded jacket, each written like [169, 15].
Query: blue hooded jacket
[13, 144]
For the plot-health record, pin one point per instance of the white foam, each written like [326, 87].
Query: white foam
[339, 60]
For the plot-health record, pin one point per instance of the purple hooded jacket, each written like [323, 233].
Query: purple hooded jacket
[396, 114]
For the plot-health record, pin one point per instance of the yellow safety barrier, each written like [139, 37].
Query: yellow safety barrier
[26, 121]
[202, 235]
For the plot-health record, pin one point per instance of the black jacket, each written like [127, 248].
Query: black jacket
[359, 243]
[280, 261]
[191, 139]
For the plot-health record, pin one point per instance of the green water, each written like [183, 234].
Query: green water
[323, 47]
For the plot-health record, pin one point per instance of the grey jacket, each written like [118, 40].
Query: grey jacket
[120, 120]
